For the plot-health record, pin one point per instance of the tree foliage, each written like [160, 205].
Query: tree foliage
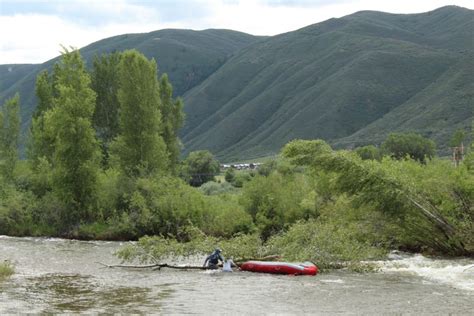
[229, 175]
[105, 83]
[200, 167]
[369, 152]
[9, 136]
[139, 147]
[76, 152]
[373, 184]
[40, 144]
[44, 93]
[277, 201]
[172, 117]
[458, 138]
[399, 146]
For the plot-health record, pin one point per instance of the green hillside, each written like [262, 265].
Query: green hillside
[11, 74]
[188, 57]
[436, 111]
[334, 79]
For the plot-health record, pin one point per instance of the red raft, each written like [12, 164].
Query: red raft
[306, 268]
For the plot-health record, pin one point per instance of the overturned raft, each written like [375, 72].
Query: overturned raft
[306, 268]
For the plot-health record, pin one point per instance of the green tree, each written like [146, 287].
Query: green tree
[139, 148]
[458, 138]
[76, 150]
[44, 93]
[172, 117]
[369, 152]
[9, 134]
[230, 175]
[200, 167]
[373, 184]
[400, 145]
[105, 82]
[40, 144]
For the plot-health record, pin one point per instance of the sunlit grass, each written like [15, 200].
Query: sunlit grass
[6, 270]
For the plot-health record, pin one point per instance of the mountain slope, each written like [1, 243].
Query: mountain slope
[442, 107]
[328, 80]
[188, 57]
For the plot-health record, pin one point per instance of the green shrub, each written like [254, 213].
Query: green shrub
[277, 201]
[213, 188]
[225, 217]
[401, 145]
[17, 210]
[369, 152]
[324, 243]
[117, 227]
[241, 178]
[110, 190]
[6, 270]
[229, 175]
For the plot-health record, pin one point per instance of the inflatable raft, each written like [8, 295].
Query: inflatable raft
[306, 268]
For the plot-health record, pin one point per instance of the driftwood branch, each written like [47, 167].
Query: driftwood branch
[158, 266]
[165, 265]
[155, 266]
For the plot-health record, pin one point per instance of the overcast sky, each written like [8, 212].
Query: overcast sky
[31, 31]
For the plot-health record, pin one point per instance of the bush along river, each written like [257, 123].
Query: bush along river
[63, 276]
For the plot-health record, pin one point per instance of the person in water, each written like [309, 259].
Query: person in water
[228, 264]
[212, 261]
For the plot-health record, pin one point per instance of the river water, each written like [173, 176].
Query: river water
[63, 276]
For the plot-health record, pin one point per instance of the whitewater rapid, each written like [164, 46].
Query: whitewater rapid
[457, 273]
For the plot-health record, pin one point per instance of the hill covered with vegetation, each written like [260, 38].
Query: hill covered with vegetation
[349, 81]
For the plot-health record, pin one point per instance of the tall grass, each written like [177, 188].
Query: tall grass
[6, 270]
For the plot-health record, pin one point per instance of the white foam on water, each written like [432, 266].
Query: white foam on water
[458, 273]
[333, 281]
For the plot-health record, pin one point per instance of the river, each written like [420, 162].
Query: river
[63, 276]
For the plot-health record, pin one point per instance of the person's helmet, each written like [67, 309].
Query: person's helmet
[218, 250]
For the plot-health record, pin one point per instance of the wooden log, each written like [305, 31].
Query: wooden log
[158, 266]
[155, 266]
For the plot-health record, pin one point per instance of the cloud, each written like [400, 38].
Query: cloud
[32, 30]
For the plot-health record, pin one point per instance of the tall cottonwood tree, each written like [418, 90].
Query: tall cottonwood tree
[172, 118]
[139, 148]
[44, 93]
[9, 135]
[76, 153]
[40, 145]
[105, 82]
